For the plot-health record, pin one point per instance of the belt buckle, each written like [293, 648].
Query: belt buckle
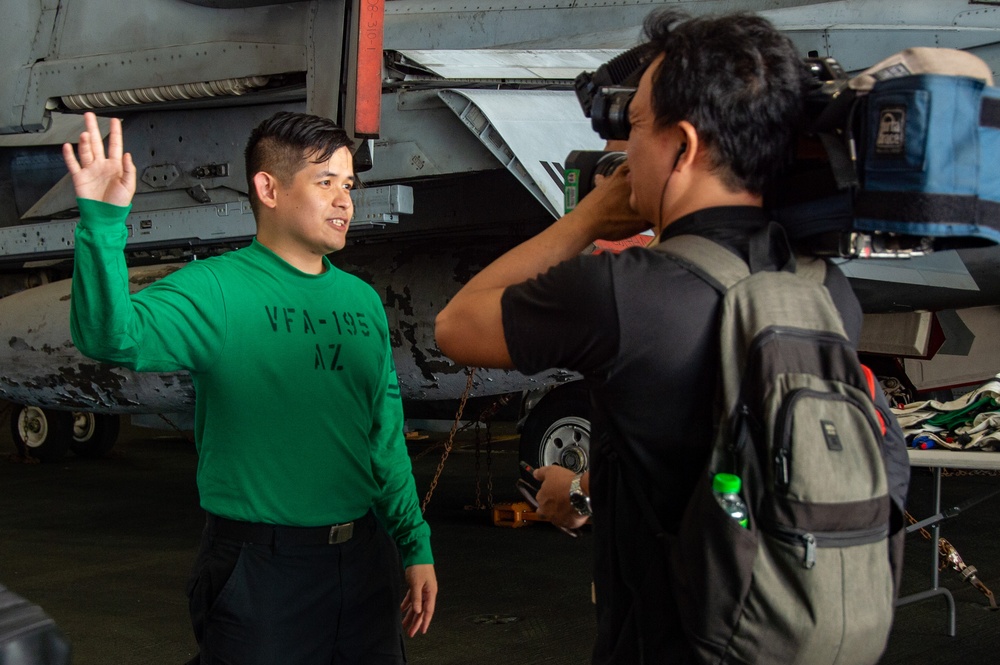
[341, 533]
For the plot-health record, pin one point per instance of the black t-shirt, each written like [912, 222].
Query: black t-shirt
[642, 331]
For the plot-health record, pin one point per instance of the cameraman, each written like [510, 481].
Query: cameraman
[711, 123]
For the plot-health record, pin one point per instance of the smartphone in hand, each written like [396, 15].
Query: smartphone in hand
[528, 490]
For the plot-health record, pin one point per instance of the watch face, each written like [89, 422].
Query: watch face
[580, 501]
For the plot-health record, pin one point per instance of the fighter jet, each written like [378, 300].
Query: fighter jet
[463, 114]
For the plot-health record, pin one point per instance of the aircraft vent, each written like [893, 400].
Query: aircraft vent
[165, 93]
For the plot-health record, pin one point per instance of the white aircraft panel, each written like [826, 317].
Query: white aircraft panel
[530, 132]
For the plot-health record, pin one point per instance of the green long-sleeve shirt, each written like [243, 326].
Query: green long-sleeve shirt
[298, 416]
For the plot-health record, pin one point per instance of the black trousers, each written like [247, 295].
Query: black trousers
[295, 603]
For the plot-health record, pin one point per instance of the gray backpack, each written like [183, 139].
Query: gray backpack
[809, 580]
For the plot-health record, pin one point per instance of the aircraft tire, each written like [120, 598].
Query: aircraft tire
[94, 434]
[41, 433]
[557, 430]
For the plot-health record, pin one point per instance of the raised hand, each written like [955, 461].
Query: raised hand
[109, 178]
[607, 210]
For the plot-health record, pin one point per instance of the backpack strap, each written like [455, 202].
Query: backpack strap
[707, 259]
[721, 268]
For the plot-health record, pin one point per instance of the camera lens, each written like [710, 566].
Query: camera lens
[609, 113]
[608, 164]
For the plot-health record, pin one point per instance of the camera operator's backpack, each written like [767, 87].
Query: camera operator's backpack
[809, 581]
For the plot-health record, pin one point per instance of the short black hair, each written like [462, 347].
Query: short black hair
[281, 144]
[738, 81]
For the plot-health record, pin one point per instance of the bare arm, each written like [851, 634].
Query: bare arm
[469, 329]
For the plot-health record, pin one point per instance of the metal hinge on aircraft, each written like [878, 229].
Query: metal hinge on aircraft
[373, 208]
[507, 68]
[377, 206]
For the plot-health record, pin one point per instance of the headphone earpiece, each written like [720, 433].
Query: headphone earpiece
[680, 153]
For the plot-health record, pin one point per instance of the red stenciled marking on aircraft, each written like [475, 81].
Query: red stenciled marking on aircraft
[368, 97]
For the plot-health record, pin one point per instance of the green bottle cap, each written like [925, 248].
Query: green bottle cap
[726, 483]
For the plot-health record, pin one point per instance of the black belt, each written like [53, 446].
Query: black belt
[269, 534]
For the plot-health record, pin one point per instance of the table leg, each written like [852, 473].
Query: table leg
[935, 589]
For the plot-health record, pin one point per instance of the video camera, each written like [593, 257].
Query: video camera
[604, 96]
[877, 170]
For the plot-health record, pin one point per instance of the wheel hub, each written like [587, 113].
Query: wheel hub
[574, 458]
[33, 426]
[567, 443]
[83, 425]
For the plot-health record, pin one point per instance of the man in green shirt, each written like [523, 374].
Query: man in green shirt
[302, 468]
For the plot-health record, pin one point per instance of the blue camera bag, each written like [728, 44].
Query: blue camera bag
[929, 150]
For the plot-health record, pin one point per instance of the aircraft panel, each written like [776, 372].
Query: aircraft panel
[172, 225]
[87, 27]
[22, 18]
[64, 128]
[508, 64]
[943, 269]
[857, 47]
[443, 24]
[421, 138]
[531, 132]
[879, 12]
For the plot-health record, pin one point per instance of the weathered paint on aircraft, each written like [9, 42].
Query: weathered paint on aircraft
[40, 365]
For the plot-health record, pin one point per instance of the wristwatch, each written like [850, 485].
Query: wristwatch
[578, 498]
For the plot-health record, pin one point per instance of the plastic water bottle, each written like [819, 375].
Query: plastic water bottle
[727, 492]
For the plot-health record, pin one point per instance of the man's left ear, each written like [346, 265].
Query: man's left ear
[689, 144]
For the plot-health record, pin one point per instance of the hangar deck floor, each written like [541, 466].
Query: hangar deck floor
[105, 547]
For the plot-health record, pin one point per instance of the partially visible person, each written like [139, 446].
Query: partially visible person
[711, 122]
[302, 468]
